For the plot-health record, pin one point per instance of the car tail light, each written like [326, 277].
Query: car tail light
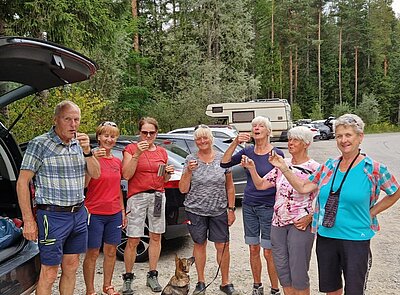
[313, 129]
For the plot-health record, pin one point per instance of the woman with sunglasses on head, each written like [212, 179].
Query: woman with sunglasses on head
[347, 204]
[291, 235]
[209, 205]
[145, 167]
[105, 205]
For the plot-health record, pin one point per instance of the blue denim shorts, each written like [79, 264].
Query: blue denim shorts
[104, 229]
[61, 233]
[257, 225]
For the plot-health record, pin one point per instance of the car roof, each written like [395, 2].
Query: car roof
[37, 65]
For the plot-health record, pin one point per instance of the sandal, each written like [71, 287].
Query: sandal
[110, 290]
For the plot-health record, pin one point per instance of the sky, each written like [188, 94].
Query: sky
[396, 6]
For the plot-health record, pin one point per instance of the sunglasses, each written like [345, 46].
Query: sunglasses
[109, 123]
[147, 133]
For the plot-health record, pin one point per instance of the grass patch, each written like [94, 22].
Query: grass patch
[382, 128]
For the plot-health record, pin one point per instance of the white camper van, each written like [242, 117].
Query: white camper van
[240, 115]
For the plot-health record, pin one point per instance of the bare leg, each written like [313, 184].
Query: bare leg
[154, 250]
[273, 276]
[69, 266]
[289, 291]
[255, 263]
[199, 253]
[302, 292]
[130, 253]
[223, 257]
[47, 277]
[110, 252]
[89, 266]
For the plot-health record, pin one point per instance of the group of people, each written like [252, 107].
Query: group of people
[286, 204]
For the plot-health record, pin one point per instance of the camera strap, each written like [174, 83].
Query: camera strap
[344, 178]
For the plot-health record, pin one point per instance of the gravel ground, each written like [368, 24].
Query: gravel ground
[383, 279]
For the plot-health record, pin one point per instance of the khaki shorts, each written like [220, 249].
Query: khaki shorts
[139, 207]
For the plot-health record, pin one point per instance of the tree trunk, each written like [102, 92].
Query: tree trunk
[319, 60]
[291, 76]
[340, 66]
[355, 75]
[135, 16]
[272, 49]
[296, 70]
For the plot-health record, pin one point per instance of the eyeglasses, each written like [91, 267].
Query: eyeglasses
[147, 133]
[109, 123]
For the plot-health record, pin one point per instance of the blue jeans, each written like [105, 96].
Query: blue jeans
[257, 225]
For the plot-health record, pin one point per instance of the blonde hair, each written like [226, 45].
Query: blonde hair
[203, 131]
[107, 127]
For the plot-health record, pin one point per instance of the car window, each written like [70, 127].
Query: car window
[220, 134]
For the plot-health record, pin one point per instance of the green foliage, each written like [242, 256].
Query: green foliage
[339, 110]
[381, 128]
[39, 116]
[296, 112]
[368, 109]
[316, 113]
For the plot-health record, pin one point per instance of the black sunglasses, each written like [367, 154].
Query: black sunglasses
[147, 133]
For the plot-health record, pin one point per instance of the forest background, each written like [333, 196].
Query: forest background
[169, 59]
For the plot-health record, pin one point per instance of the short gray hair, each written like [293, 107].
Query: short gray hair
[203, 131]
[302, 133]
[262, 120]
[64, 104]
[351, 120]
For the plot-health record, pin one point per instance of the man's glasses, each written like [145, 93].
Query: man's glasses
[109, 123]
[147, 133]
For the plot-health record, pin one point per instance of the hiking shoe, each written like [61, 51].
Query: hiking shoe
[152, 281]
[200, 289]
[258, 290]
[229, 289]
[275, 291]
[126, 286]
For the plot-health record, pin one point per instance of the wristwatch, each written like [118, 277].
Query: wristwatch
[232, 209]
[88, 155]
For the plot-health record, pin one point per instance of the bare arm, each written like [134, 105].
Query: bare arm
[242, 137]
[129, 162]
[301, 186]
[385, 203]
[186, 178]
[230, 191]
[259, 182]
[30, 230]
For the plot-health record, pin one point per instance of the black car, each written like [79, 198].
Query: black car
[174, 210]
[27, 66]
[187, 143]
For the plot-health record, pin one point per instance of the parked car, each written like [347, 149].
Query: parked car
[223, 131]
[27, 66]
[314, 130]
[324, 130]
[176, 221]
[186, 142]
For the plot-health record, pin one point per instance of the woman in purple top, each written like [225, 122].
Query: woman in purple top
[291, 235]
[257, 205]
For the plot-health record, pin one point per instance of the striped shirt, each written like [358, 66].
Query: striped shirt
[377, 173]
[59, 169]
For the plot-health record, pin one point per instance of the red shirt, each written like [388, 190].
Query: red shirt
[145, 177]
[103, 195]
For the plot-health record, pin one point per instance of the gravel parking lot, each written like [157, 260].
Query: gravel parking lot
[383, 279]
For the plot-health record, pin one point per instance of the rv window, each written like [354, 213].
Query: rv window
[217, 109]
[241, 117]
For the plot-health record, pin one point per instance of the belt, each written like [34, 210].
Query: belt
[56, 208]
[150, 191]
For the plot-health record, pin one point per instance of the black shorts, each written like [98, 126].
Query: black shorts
[215, 228]
[336, 257]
